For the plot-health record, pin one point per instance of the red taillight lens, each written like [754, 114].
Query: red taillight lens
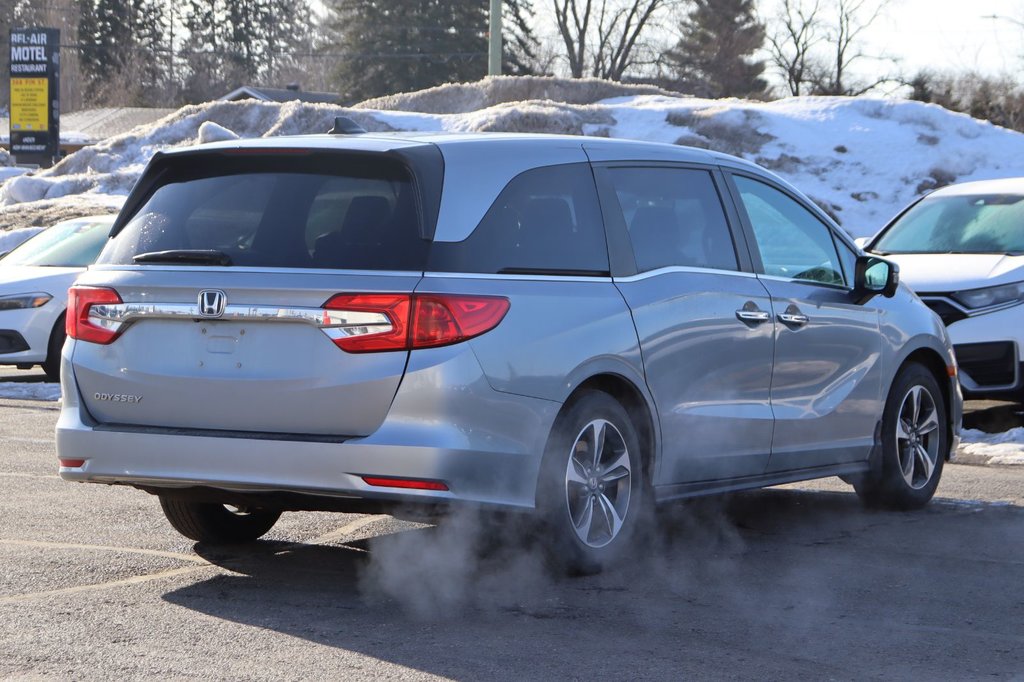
[390, 309]
[78, 323]
[443, 319]
[367, 323]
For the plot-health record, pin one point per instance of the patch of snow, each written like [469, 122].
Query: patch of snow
[863, 158]
[211, 132]
[1001, 448]
[17, 390]
[7, 172]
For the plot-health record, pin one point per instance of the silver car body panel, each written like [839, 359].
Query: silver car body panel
[477, 415]
[234, 374]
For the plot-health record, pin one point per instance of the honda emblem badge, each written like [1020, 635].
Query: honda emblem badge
[212, 302]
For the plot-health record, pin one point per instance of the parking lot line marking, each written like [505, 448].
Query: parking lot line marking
[347, 529]
[106, 548]
[134, 580]
[336, 534]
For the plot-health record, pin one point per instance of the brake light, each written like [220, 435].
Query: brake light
[362, 323]
[84, 323]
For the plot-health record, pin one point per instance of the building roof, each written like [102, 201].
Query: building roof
[280, 95]
[93, 125]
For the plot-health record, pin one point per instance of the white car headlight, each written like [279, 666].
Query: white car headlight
[991, 296]
[18, 301]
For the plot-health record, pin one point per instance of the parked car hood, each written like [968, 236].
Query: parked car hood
[26, 279]
[947, 272]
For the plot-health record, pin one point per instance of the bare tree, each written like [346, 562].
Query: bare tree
[814, 45]
[796, 32]
[601, 36]
[844, 38]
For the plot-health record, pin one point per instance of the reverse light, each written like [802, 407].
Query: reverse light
[408, 483]
[361, 323]
[991, 296]
[21, 301]
[85, 319]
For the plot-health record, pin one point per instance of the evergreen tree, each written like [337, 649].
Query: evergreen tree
[520, 45]
[121, 42]
[242, 42]
[713, 58]
[388, 46]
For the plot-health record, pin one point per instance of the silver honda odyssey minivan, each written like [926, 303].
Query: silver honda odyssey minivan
[573, 327]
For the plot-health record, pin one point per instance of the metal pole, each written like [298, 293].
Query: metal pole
[494, 40]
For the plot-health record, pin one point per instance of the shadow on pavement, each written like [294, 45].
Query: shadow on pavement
[993, 417]
[763, 584]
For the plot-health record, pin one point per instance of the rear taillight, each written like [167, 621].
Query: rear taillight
[85, 320]
[361, 323]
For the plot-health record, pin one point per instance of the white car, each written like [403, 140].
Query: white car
[961, 248]
[34, 281]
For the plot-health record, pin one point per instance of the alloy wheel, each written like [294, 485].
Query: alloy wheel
[597, 483]
[917, 437]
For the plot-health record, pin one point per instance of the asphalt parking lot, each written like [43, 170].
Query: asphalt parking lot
[794, 581]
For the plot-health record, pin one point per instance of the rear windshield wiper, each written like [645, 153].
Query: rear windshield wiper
[195, 256]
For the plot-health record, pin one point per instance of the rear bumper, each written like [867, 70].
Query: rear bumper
[446, 424]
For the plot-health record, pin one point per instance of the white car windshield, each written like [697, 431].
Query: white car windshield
[70, 244]
[980, 223]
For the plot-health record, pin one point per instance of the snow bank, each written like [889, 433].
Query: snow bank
[999, 448]
[40, 214]
[461, 98]
[17, 390]
[862, 159]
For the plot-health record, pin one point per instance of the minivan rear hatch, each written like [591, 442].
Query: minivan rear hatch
[240, 286]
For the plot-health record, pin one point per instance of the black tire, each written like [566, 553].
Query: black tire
[51, 366]
[903, 479]
[217, 524]
[616, 488]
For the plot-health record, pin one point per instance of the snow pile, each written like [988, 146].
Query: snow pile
[45, 213]
[862, 159]
[7, 167]
[999, 448]
[461, 98]
[16, 390]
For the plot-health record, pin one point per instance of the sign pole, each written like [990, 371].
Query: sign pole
[494, 40]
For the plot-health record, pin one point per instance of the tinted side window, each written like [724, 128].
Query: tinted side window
[674, 217]
[546, 220]
[792, 241]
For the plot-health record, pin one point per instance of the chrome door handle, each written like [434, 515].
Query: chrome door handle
[753, 315]
[794, 319]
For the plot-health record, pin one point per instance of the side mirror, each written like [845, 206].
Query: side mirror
[862, 242]
[873, 276]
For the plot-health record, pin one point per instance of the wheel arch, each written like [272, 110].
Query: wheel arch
[637, 404]
[934, 362]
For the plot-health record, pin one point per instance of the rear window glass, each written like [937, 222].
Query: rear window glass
[546, 221]
[307, 211]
